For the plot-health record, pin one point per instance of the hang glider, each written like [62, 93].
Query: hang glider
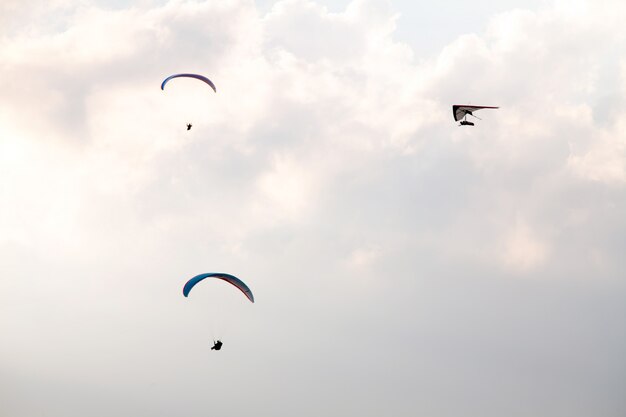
[460, 112]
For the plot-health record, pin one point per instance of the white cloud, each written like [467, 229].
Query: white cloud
[290, 187]
[523, 250]
[363, 257]
[605, 161]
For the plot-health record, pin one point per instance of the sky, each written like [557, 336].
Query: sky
[401, 265]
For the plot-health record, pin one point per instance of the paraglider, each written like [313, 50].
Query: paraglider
[460, 111]
[196, 76]
[231, 279]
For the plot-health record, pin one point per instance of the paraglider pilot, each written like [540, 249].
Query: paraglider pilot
[188, 126]
[216, 345]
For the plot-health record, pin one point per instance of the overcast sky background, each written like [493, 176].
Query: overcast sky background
[401, 265]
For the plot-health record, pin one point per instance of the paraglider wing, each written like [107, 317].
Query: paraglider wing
[196, 76]
[459, 110]
[231, 279]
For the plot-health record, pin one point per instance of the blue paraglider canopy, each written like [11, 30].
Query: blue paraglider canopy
[231, 279]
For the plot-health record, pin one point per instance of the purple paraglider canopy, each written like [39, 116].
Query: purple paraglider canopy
[196, 76]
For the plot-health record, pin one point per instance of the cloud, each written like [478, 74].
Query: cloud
[523, 250]
[328, 173]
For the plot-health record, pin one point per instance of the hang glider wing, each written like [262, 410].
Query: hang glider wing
[461, 110]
